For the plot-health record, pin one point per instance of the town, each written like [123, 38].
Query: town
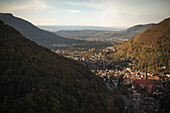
[143, 92]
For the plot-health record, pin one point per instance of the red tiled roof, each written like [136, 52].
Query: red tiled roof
[144, 82]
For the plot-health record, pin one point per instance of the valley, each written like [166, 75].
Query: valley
[143, 88]
[84, 70]
[142, 91]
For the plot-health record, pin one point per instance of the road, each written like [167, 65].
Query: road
[126, 100]
[108, 86]
[127, 103]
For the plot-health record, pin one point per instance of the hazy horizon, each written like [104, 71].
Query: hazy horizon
[105, 13]
[54, 28]
[87, 25]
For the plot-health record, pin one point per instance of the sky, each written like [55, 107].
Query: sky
[88, 12]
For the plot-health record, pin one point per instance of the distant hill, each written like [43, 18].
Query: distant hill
[103, 35]
[150, 48]
[82, 34]
[33, 33]
[35, 80]
[55, 28]
[139, 28]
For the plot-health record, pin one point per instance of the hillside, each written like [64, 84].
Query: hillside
[139, 28]
[41, 37]
[35, 80]
[151, 47]
[103, 35]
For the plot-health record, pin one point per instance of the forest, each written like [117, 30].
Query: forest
[35, 80]
[150, 49]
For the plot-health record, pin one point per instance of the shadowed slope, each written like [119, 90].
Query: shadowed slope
[35, 80]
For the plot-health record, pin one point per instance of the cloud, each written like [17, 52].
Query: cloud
[25, 5]
[101, 12]
[64, 11]
[73, 11]
[35, 5]
[91, 3]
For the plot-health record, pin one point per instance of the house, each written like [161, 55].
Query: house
[126, 82]
[115, 74]
[144, 84]
[168, 75]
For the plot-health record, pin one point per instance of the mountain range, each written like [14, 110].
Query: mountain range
[46, 38]
[35, 80]
[103, 34]
[56, 40]
[41, 37]
[150, 49]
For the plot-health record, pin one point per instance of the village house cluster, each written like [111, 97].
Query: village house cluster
[91, 58]
[146, 91]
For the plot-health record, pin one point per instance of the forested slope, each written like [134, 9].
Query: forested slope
[150, 48]
[35, 80]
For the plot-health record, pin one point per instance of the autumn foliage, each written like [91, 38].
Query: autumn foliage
[150, 48]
